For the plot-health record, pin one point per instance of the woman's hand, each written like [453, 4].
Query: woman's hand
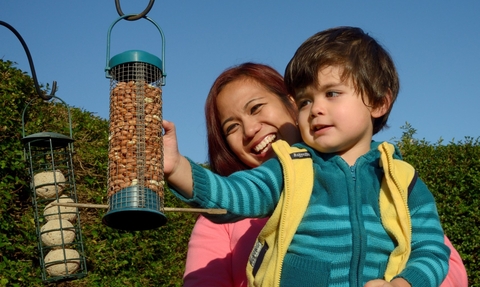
[176, 168]
[397, 282]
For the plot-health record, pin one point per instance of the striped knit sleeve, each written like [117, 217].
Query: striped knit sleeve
[428, 262]
[248, 193]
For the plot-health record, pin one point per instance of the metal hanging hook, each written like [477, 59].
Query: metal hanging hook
[32, 68]
[134, 17]
[162, 64]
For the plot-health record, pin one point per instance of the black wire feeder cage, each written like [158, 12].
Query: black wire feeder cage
[52, 179]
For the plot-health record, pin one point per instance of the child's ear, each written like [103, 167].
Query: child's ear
[383, 109]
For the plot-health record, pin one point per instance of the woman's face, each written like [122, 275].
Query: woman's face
[252, 118]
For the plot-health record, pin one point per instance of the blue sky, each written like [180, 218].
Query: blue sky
[435, 45]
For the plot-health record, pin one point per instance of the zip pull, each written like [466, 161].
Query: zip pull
[352, 171]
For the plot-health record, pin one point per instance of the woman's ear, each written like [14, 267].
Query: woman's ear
[384, 108]
[291, 99]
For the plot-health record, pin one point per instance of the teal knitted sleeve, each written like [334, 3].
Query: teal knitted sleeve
[249, 193]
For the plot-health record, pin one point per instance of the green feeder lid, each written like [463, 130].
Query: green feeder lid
[43, 139]
[130, 58]
[135, 56]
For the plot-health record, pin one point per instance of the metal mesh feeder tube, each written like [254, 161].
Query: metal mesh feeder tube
[135, 159]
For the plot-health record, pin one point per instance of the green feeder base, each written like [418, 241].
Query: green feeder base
[131, 209]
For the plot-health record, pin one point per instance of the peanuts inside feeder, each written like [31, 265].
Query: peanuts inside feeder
[135, 154]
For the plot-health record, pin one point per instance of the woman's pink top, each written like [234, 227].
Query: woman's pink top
[218, 254]
[457, 274]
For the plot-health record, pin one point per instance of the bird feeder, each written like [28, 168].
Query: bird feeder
[135, 153]
[60, 245]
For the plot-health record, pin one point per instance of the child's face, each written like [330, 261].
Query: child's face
[333, 117]
[252, 118]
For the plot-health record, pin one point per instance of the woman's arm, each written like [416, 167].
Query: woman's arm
[428, 261]
[457, 274]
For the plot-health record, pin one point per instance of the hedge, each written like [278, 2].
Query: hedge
[157, 257]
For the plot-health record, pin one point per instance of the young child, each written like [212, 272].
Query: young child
[344, 84]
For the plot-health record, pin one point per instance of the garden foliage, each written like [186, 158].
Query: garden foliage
[156, 257]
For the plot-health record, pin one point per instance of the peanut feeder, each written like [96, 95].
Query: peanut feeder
[135, 159]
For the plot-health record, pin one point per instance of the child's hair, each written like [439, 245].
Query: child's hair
[362, 58]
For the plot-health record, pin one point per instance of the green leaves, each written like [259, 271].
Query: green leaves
[114, 257]
[452, 173]
[157, 257]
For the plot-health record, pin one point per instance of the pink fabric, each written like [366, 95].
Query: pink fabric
[457, 274]
[218, 254]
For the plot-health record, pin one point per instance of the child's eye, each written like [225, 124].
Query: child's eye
[303, 103]
[332, 94]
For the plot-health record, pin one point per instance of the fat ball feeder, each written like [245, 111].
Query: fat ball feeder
[49, 161]
[52, 179]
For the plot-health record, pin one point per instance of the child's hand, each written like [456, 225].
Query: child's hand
[397, 282]
[171, 155]
[176, 168]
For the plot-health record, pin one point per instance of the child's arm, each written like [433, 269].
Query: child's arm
[249, 193]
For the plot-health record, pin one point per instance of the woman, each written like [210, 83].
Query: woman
[246, 110]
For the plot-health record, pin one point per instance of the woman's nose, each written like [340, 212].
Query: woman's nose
[251, 127]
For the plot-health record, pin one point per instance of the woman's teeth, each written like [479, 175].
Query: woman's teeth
[267, 140]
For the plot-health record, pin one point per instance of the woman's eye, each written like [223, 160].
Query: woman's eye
[230, 129]
[255, 108]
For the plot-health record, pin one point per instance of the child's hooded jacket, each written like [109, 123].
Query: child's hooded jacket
[341, 240]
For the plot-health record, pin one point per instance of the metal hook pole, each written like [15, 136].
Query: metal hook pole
[135, 17]
[169, 209]
[30, 61]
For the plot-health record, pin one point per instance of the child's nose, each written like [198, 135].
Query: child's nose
[317, 108]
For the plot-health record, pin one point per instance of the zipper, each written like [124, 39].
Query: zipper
[355, 203]
[403, 193]
[282, 220]
[356, 228]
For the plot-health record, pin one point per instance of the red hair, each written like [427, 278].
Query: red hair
[221, 158]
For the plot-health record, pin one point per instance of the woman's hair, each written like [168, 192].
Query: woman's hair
[362, 59]
[221, 158]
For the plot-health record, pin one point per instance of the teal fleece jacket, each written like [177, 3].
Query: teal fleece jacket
[340, 240]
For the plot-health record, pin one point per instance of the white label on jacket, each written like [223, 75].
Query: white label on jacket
[256, 257]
